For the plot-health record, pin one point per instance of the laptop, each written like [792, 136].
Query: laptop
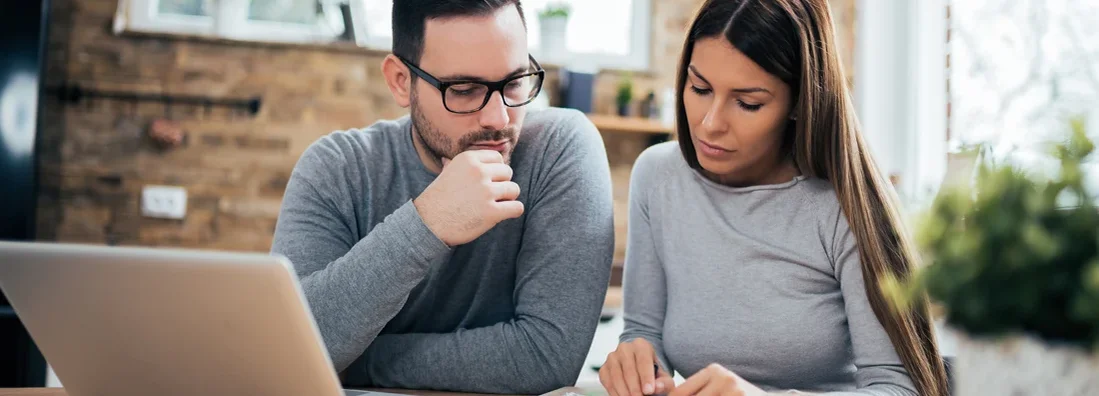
[143, 321]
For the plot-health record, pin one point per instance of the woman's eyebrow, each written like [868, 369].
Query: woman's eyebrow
[737, 90]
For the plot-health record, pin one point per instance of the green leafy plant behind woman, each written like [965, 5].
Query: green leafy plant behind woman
[1016, 253]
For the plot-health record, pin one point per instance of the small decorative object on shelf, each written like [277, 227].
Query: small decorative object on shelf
[625, 96]
[648, 106]
[667, 108]
[576, 89]
[1014, 263]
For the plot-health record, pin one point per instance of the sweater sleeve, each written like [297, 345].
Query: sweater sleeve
[314, 232]
[645, 291]
[879, 370]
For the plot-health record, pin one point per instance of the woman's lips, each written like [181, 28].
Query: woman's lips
[711, 150]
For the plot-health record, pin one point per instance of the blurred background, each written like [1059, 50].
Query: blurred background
[177, 122]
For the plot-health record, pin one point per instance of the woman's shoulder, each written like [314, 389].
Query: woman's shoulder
[819, 200]
[658, 162]
[819, 192]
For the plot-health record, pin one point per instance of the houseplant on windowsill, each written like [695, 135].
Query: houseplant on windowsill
[553, 22]
[1013, 261]
[229, 16]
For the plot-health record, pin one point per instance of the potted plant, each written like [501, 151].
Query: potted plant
[1014, 266]
[961, 163]
[624, 96]
[553, 21]
[229, 16]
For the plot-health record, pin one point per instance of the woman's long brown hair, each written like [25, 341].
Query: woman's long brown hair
[794, 40]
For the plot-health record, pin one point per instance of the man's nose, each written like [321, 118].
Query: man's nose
[494, 115]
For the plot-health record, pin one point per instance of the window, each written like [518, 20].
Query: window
[294, 21]
[605, 34]
[609, 33]
[602, 34]
[1018, 71]
[1008, 74]
[900, 92]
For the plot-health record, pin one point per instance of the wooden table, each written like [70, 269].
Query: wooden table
[61, 392]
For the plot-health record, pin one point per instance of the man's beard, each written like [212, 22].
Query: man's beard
[439, 146]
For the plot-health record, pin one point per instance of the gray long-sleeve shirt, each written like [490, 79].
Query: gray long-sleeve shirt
[764, 280]
[511, 312]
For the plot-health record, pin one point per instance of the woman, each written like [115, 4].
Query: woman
[757, 240]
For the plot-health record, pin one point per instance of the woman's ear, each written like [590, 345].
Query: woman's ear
[398, 79]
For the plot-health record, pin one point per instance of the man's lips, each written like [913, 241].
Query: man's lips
[499, 145]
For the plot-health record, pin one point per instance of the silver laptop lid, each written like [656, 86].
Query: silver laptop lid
[142, 321]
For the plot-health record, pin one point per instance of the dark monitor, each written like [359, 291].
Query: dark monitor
[23, 37]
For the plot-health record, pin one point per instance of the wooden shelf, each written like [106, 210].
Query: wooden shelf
[616, 273]
[611, 123]
[613, 300]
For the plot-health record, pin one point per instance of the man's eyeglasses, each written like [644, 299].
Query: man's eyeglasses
[464, 97]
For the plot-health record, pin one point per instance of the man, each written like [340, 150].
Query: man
[466, 247]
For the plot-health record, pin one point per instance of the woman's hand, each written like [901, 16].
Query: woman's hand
[632, 370]
[716, 381]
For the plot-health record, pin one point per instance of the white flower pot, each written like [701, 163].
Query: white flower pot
[961, 168]
[229, 15]
[1023, 365]
[553, 40]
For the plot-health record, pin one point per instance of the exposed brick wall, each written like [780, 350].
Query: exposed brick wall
[96, 158]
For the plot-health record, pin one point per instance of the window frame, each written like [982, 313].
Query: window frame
[900, 92]
[638, 57]
[142, 16]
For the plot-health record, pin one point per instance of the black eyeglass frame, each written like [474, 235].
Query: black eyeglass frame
[493, 86]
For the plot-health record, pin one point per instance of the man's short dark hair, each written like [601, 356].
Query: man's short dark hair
[410, 17]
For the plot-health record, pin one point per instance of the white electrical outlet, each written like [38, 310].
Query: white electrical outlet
[165, 202]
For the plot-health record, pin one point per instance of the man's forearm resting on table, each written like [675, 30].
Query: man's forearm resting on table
[392, 259]
[525, 356]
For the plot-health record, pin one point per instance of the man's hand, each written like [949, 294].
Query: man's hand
[472, 194]
[631, 370]
[716, 381]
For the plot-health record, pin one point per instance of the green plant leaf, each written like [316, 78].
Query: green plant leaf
[1008, 254]
[556, 9]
